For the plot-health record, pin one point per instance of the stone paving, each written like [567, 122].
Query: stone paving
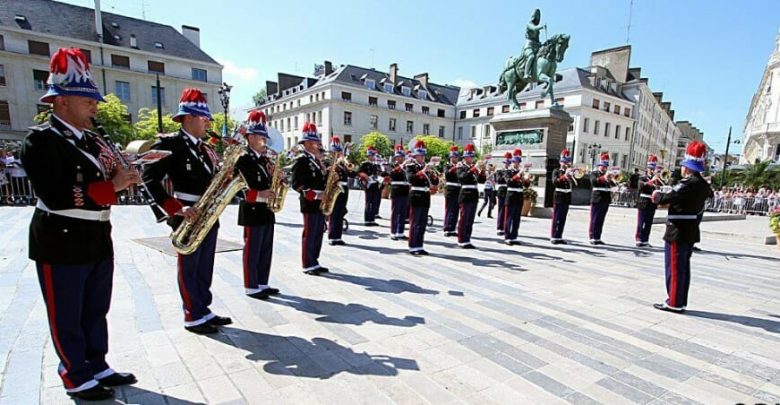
[534, 323]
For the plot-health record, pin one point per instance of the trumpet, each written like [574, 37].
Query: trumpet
[576, 173]
[615, 174]
[344, 162]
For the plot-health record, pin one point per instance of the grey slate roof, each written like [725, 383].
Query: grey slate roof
[66, 20]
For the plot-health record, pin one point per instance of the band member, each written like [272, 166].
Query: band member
[451, 193]
[514, 198]
[399, 192]
[190, 168]
[490, 192]
[75, 178]
[501, 192]
[336, 218]
[647, 184]
[469, 175]
[600, 198]
[564, 182]
[686, 201]
[422, 179]
[308, 179]
[257, 167]
[369, 175]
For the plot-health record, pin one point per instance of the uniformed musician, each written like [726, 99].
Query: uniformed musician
[564, 182]
[190, 168]
[600, 198]
[648, 183]
[369, 173]
[422, 181]
[336, 218]
[308, 179]
[75, 177]
[514, 198]
[257, 166]
[399, 194]
[469, 176]
[501, 192]
[686, 202]
[451, 194]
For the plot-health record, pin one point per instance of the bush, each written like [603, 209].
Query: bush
[378, 140]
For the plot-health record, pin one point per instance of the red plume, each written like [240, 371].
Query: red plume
[469, 147]
[256, 117]
[192, 95]
[652, 158]
[696, 149]
[604, 156]
[454, 148]
[508, 155]
[399, 148]
[335, 140]
[419, 144]
[517, 152]
[565, 152]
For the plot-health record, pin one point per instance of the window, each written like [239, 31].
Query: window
[373, 121]
[88, 54]
[2, 43]
[490, 111]
[617, 131]
[120, 61]
[406, 91]
[614, 159]
[2, 75]
[391, 104]
[426, 110]
[426, 129]
[441, 131]
[606, 129]
[585, 125]
[311, 98]
[522, 106]
[389, 88]
[154, 96]
[475, 113]
[391, 124]
[571, 128]
[606, 106]
[596, 127]
[422, 94]
[463, 115]
[347, 138]
[299, 102]
[289, 125]
[38, 48]
[409, 127]
[314, 116]
[409, 107]
[596, 103]
[347, 118]
[504, 109]
[617, 109]
[156, 67]
[5, 115]
[200, 75]
[370, 83]
[373, 102]
[39, 79]
[440, 113]
[486, 131]
[460, 132]
[123, 90]
[346, 96]
[539, 104]
[39, 108]
[628, 133]
[281, 125]
[627, 112]
[473, 131]
[159, 45]
[295, 122]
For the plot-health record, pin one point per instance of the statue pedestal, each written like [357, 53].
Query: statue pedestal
[541, 134]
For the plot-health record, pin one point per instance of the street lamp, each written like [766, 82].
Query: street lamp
[224, 98]
[726, 158]
[594, 150]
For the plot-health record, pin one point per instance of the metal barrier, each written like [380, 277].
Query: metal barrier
[726, 205]
[15, 190]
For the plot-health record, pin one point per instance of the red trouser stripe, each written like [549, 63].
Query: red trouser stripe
[247, 252]
[674, 275]
[184, 293]
[305, 239]
[52, 312]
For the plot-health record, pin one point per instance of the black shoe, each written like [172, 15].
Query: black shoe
[500, 233]
[563, 242]
[377, 216]
[448, 234]
[322, 270]
[423, 253]
[337, 243]
[394, 238]
[96, 393]
[403, 237]
[370, 224]
[556, 241]
[202, 329]
[117, 379]
[219, 320]
[468, 246]
[490, 216]
[664, 307]
[260, 295]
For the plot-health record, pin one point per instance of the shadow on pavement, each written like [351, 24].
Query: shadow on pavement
[350, 314]
[379, 285]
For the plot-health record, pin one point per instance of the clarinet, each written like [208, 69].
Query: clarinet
[159, 213]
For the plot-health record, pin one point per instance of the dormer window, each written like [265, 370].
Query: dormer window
[422, 94]
[159, 45]
[406, 91]
[370, 84]
[389, 87]
[115, 25]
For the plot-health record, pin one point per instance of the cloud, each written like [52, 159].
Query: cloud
[231, 70]
[464, 83]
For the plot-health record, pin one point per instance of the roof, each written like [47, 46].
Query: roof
[66, 20]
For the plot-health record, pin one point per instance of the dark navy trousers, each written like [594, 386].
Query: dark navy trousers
[313, 230]
[512, 220]
[500, 218]
[77, 299]
[598, 213]
[258, 251]
[644, 223]
[418, 221]
[451, 208]
[468, 211]
[373, 197]
[560, 211]
[336, 218]
[195, 272]
[400, 212]
[678, 272]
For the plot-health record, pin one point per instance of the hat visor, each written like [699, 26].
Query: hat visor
[603, 164]
[180, 115]
[264, 134]
[693, 165]
[55, 91]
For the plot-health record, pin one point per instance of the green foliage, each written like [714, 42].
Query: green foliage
[112, 114]
[259, 97]
[753, 175]
[378, 140]
[219, 121]
[146, 126]
[436, 146]
[774, 221]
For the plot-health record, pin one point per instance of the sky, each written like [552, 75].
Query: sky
[706, 56]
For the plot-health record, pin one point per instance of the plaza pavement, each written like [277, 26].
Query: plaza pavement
[534, 323]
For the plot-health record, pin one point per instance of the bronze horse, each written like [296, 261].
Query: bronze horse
[547, 58]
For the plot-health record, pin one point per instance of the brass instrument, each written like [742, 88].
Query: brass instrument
[577, 173]
[331, 192]
[278, 187]
[224, 186]
[615, 174]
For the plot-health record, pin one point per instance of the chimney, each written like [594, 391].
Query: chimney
[394, 73]
[423, 79]
[328, 67]
[98, 21]
[191, 33]
[133, 41]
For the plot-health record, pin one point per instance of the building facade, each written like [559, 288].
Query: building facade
[761, 140]
[126, 55]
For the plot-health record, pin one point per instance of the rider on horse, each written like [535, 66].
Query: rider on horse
[532, 43]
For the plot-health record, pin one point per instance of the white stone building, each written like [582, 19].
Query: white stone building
[125, 62]
[761, 139]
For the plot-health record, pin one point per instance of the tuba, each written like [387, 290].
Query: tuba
[224, 186]
[278, 187]
[331, 192]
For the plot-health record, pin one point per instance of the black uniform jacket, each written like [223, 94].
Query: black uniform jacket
[399, 185]
[562, 182]
[600, 193]
[420, 182]
[256, 170]
[67, 177]
[308, 179]
[646, 187]
[686, 202]
[370, 172]
[469, 177]
[452, 187]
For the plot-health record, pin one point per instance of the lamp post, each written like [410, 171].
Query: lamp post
[224, 99]
[726, 158]
[594, 150]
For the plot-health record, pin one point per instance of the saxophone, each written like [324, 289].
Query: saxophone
[224, 186]
[331, 192]
[278, 187]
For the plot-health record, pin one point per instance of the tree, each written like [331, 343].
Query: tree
[259, 97]
[757, 175]
[378, 140]
[112, 114]
[219, 121]
[146, 126]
